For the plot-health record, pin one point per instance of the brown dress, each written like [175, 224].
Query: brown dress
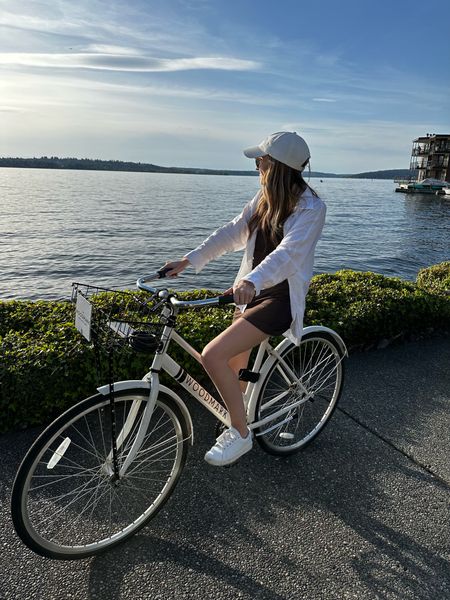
[271, 310]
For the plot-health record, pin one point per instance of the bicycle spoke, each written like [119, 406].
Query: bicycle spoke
[79, 495]
[68, 529]
[65, 458]
[78, 504]
[153, 455]
[63, 478]
[315, 378]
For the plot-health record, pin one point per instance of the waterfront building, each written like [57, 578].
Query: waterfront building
[430, 157]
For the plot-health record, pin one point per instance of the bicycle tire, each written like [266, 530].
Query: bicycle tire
[65, 504]
[317, 363]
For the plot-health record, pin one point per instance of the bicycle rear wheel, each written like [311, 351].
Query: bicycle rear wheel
[66, 503]
[313, 394]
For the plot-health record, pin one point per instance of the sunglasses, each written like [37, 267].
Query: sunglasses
[258, 161]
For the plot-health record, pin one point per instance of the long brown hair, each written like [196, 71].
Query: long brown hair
[281, 188]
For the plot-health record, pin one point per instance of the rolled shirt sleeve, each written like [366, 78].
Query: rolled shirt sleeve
[228, 238]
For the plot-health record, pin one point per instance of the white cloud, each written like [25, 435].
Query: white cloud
[50, 90]
[123, 62]
[77, 75]
[11, 109]
[94, 23]
[110, 49]
[345, 146]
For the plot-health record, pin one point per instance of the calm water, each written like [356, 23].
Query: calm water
[108, 228]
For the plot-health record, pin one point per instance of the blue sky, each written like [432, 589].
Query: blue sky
[192, 82]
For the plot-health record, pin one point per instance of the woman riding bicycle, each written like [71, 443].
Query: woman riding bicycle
[279, 229]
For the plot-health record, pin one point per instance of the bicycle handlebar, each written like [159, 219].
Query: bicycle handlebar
[141, 283]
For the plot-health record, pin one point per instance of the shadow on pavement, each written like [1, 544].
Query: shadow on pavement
[350, 513]
[349, 507]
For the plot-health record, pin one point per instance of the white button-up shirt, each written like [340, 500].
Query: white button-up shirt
[292, 259]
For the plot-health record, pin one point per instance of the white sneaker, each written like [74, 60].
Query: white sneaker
[229, 447]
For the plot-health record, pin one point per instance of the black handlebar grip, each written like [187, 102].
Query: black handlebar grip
[228, 299]
[163, 272]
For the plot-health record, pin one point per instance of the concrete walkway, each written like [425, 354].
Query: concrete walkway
[362, 513]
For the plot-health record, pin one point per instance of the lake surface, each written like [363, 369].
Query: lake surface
[108, 228]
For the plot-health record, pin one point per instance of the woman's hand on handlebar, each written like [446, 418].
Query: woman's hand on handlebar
[243, 292]
[175, 267]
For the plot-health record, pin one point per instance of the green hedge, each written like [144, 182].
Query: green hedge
[435, 279]
[46, 366]
[365, 308]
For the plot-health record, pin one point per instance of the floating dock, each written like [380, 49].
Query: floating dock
[427, 186]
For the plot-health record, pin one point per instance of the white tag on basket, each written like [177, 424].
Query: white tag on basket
[83, 314]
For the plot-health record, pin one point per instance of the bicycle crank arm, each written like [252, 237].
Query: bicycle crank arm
[281, 412]
[274, 426]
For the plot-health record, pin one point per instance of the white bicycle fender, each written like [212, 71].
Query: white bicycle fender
[337, 337]
[131, 384]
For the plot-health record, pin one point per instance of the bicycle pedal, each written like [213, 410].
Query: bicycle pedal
[247, 375]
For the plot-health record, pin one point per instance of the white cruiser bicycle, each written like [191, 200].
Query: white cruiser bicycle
[105, 467]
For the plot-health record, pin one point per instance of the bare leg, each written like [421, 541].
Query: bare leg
[238, 339]
[240, 362]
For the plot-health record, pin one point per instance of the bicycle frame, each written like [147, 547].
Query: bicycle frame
[74, 505]
[162, 361]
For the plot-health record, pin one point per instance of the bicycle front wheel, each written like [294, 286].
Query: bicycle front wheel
[66, 502]
[300, 394]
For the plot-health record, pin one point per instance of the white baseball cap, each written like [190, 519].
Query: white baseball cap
[286, 146]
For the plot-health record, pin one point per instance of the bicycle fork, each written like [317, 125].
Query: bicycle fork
[108, 466]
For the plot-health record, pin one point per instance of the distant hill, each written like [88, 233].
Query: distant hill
[389, 174]
[90, 164]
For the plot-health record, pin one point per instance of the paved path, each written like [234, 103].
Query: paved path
[362, 513]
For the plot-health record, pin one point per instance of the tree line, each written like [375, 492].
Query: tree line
[94, 164]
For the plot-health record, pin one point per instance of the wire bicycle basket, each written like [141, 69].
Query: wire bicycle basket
[113, 319]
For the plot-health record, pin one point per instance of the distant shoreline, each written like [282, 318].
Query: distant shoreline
[88, 164]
